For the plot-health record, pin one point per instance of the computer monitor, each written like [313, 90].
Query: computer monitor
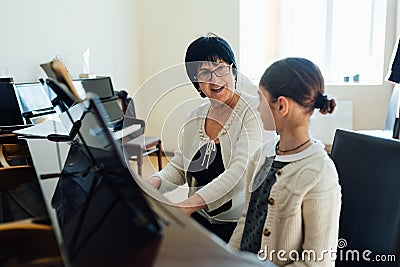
[34, 101]
[10, 113]
[101, 86]
[114, 113]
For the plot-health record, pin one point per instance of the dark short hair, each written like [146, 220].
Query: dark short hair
[299, 79]
[207, 48]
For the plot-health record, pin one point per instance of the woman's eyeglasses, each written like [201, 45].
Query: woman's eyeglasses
[206, 75]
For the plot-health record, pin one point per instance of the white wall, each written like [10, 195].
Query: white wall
[33, 32]
[131, 40]
[166, 28]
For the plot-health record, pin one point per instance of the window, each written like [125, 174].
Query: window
[345, 38]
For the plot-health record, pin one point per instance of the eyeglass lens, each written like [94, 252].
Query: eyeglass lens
[219, 72]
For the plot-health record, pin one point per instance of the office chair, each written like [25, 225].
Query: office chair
[369, 174]
[143, 145]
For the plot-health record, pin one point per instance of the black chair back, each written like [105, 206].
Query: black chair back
[369, 173]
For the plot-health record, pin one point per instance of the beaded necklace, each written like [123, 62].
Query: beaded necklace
[211, 147]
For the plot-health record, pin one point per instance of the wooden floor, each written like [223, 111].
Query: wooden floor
[150, 165]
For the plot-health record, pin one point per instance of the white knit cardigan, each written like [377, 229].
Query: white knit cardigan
[303, 212]
[239, 139]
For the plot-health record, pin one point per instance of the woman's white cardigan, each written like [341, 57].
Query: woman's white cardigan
[239, 139]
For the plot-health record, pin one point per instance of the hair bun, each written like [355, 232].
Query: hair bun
[324, 104]
[320, 101]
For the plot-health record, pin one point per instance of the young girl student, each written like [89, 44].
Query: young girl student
[294, 199]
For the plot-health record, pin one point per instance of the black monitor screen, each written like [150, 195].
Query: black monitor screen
[101, 86]
[10, 113]
[113, 110]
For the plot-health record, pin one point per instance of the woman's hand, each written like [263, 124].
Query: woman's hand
[192, 204]
[154, 181]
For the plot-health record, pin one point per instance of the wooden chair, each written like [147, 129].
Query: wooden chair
[14, 176]
[20, 195]
[143, 145]
[26, 235]
[29, 242]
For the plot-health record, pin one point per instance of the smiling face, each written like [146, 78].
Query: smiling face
[221, 85]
